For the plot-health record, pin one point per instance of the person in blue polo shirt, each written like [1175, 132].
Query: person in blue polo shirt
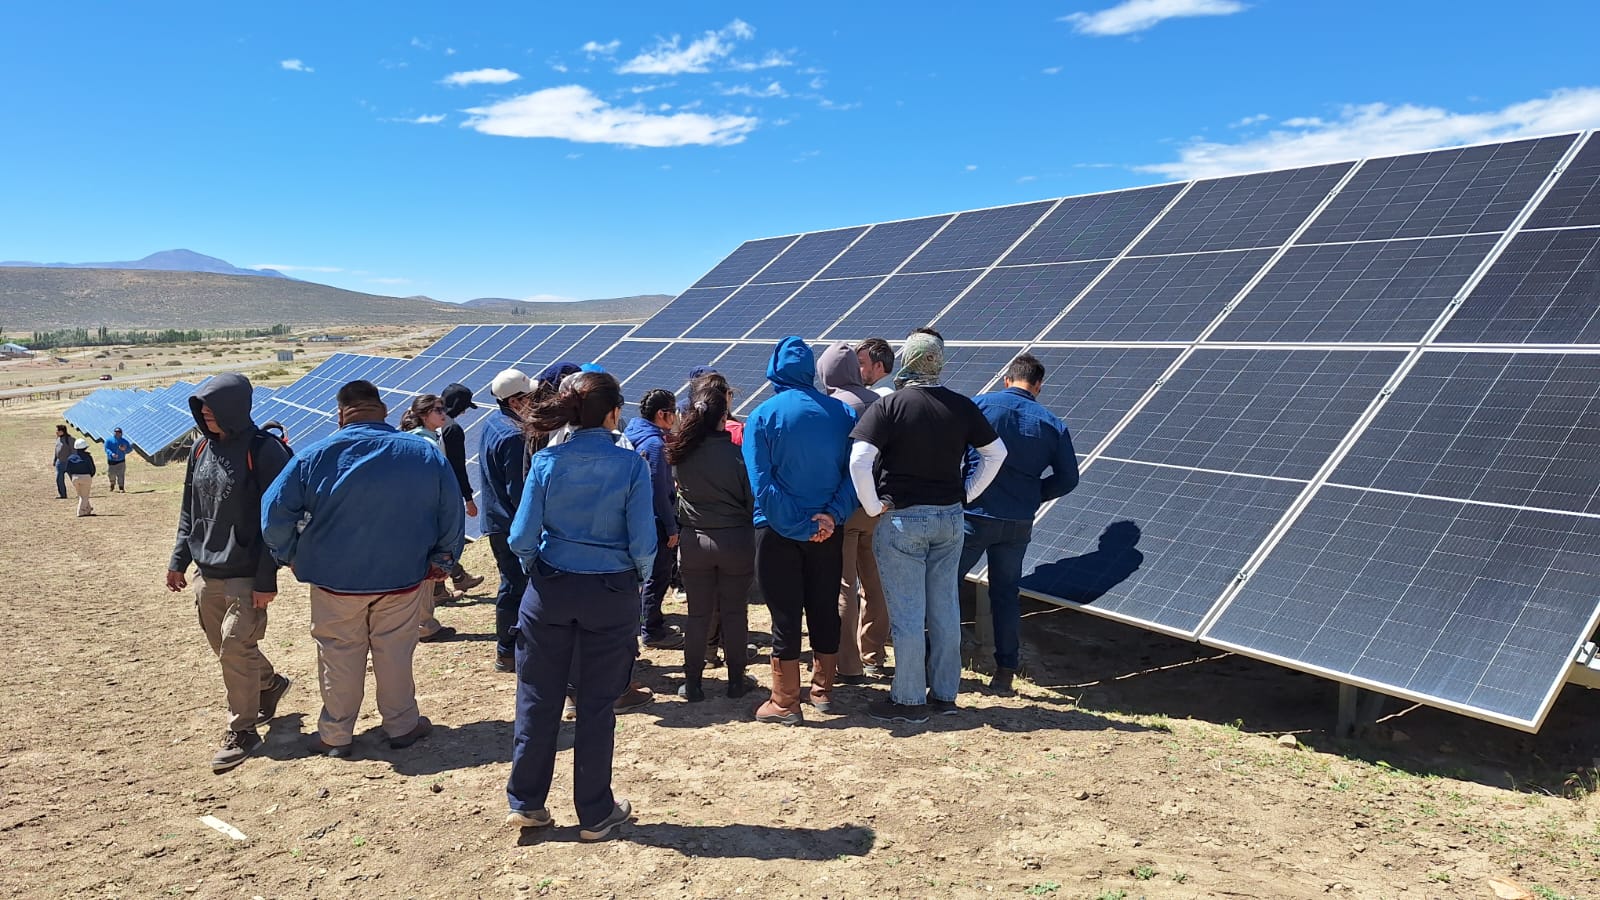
[117, 448]
[1000, 521]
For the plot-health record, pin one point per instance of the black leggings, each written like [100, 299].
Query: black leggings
[800, 577]
[717, 565]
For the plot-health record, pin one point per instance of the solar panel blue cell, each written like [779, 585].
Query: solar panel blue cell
[1519, 429]
[1575, 198]
[745, 367]
[1159, 298]
[1020, 302]
[975, 240]
[1278, 413]
[968, 370]
[1241, 211]
[1099, 226]
[882, 249]
[906, 302]
[815, 307]
[1459, 191]
[1475, 607]
[451, 339]
[1152, 545]
[683, 312]
[1544, 289]
[806, 257]
[594, 344]
[1372, 292]
[670, 369]
[627, 357]
[745, 262]
[742, 311]
[1092, 388]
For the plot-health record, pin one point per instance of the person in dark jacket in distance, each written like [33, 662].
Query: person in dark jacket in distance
[502, 470]
[647, 433]
[1000, 521]
[63, 449]
[863, 615]
[369, 517]
[80, 468]
[219, 532]
[585, 530]
[796, 449]
[457, 399]
[717, 540]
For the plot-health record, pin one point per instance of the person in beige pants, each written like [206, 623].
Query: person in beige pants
[863, 614]
[345, 627]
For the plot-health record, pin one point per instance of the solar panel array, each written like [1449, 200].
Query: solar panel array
[152, 421]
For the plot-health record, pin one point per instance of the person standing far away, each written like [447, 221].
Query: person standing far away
[80, 468]
[502, 470]
[219, 532]
[1000, 521]
[921, 433]
[863, 616]
[877, 365]
[657, 413]
[457, 400]
[423, 418]
[585, 530]
[715, 511]
[63, 450]
[382, 518]
[796, 448]
[117, 460]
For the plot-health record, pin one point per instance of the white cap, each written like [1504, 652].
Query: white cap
[510, 383]
[81, 444]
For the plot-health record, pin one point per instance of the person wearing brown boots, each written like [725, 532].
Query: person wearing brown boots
[796, 448]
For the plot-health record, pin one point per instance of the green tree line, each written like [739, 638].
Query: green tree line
[104, 337]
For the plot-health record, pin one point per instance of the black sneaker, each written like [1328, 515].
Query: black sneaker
[316, 747]
[943, 707]
[271, 696]
[620, 813]
[236, 745]
[423, 729]
[890, 711]
[505, 663]
[444, 633]
[1000, 684]
[671, 640]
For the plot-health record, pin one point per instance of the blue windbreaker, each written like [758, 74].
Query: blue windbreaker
[797, 448]
[1035, 440]
[382, 506]
[117, 449]
[502, 470]
[649, 441]
[586, 508]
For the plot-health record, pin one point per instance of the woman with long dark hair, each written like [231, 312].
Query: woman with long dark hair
[585, 532]
[716, 542]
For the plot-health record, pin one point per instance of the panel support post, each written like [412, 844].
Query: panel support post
[1357, 708]
[980, 653]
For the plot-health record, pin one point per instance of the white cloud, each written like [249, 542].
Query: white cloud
[449, 51]
[817, 83]
[647, 88]
[558, 67]
[574, 113]
[971, 168]
[480, 76]
[281, 267]
[1378, 129]
[1137, 15]
[425, 120]
[670, 57]
[1027, 179]
[1053, 70]
[421, 44]
[772, 60]
[295, 65]
[595, 48]
[744, 90]
[390, 280]
[1247, 121]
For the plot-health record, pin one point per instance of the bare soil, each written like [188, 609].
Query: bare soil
[1129, 765]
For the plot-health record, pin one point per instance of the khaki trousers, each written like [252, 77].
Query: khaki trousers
[118, 473]
[82, 484]
[863, 615]
[234, 628]
[346, 628]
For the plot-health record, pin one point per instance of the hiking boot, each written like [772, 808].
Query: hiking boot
[271, 696]
[444, 633]
[691, 689]
[635, 696]
[422, 729]
[236, 745]
[942, 707]
[468, 583]
[824, 668]
[530, 818]
[620, 813]
[890, 711]
[1001, 682]
[316, 747]
[739, 683]
[783, 707]
[669, 640]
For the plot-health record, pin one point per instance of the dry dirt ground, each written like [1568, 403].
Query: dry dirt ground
[1129, 766]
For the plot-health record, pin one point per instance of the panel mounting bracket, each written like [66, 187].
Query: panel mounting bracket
[1585, 669]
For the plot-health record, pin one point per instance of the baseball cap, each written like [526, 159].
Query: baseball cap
[458, 397]
[552, 374]
[510, 383]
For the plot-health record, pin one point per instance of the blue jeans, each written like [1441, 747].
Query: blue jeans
[61, 480]
[513, 583]
[1006, 542]
[570, 622]
[918, 550]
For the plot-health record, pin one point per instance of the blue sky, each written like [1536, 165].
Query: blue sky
[564, 150]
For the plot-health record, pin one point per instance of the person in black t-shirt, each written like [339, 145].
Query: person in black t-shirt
[457, 399]
[920, 435]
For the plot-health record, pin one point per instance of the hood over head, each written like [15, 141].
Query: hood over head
[792, 365]
[229, 395]
[457, 399]
[841, 375]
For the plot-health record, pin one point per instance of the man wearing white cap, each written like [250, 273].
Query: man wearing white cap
[503, 469]
[80, 468]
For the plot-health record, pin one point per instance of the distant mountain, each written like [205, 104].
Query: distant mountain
[164, 261]
[615, 309]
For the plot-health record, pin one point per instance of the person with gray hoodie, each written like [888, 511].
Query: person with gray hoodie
[863, 614]
[219, 532]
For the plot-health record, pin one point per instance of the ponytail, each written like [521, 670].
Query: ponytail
[708, 407]
[585, 402]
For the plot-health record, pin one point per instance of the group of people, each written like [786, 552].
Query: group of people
[854, 507]
[74, 462]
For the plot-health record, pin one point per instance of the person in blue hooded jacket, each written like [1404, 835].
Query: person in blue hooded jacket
[797, 452]
[647, 433]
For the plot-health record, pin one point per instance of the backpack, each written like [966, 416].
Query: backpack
[271, 431]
